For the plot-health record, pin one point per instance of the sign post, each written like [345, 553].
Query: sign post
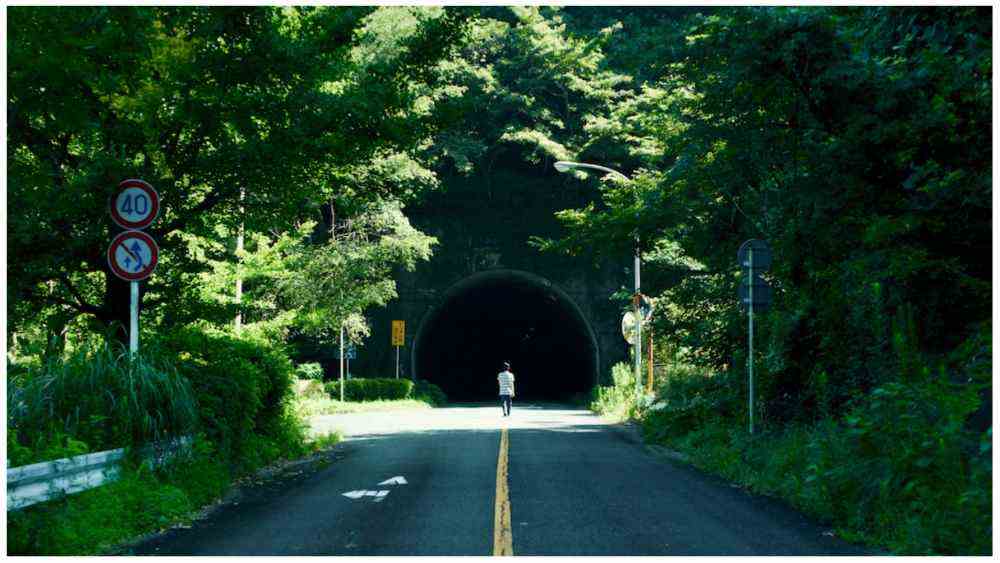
[133, 318]
[750, 332]
[398, 336]
[352, 354]
[132, 255]
[755, 294]
[341, 363]
[649, 383]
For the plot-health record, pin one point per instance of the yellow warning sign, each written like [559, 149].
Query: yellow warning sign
[398, 332]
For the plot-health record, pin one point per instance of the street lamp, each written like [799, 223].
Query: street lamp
[566, 166]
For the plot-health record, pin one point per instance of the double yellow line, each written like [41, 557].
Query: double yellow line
[503, 539]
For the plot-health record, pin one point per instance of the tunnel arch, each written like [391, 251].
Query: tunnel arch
[505, 314]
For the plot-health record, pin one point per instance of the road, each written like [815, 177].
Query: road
[549, 480]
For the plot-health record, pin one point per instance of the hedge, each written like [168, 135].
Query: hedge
[427, 391]
[371, 389]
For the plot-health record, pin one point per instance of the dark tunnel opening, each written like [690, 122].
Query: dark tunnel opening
[508, 316]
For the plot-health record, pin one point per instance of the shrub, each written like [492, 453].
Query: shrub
[617, 400]
[371, 389]
[309, 371]
[309, 388]
[902, 468]
[689, 398]
[95, 399]
[243, 388]
[427, 391]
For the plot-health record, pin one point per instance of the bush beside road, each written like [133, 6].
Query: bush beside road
[234, 394]
[903, 469]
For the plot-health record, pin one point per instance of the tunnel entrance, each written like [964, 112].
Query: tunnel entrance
[506, 315]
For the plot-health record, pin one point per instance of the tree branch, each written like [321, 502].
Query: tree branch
[211, 200]
[82, 304]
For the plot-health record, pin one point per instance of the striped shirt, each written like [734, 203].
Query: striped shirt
[506, 380]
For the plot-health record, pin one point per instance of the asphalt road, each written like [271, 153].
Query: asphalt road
[571, 484]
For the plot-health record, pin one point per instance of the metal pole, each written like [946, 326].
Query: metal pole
[397, 362]
[649, 368]
[638, 328]
[750, 356]
[133, 333]
[341, 363]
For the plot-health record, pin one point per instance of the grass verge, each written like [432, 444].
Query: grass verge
[864, 499]
[306, 407]
[311, 399]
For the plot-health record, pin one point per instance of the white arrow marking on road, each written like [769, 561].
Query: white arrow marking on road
[397, 480]
[355, 495]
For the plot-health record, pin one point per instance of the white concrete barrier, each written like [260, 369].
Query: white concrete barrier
[39, 482]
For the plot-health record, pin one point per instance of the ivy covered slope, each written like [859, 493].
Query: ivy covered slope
[856, 141]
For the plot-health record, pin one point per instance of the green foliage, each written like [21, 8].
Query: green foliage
[618, 399]
[902, 468]
[140, 501]
[334, 282]
[307, 407]
[852, 140]
[770, 123]
[326, 441]
[331, 112]
[309, 371]
[429, 393]
[96, 399]
[371, 389]
[688, 398]
[243, 388]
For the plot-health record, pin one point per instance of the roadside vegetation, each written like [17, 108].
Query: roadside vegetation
[312, 397]
[281, 221]
[854, 141]
[901, 468]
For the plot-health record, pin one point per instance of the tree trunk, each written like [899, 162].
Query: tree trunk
[117, 300]
[238, 322]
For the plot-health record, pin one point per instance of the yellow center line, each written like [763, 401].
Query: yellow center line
[503, 539]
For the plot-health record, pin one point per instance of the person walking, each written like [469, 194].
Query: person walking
[506, 380]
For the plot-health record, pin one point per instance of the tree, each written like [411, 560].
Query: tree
[202, 103]
[854, 141]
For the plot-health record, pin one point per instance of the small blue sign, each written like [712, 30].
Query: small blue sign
[350, 352]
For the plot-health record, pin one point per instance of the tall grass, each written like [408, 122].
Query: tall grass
[98, 396]
[616, 401]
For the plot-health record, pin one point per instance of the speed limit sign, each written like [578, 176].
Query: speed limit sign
[132, 255]
[135, 205]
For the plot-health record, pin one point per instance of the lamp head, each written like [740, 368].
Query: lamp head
[563, 166]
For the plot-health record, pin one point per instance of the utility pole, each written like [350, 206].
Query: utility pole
[750, 355]
[638, 324]
[649, 362]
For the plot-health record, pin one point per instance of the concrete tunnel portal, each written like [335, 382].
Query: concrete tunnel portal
[511, 315]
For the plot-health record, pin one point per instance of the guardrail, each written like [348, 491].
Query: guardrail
[39, 482]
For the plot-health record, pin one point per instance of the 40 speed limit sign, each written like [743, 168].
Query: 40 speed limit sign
[135, 205]
[132, 255]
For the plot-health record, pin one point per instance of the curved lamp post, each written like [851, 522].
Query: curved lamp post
[566, 166]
